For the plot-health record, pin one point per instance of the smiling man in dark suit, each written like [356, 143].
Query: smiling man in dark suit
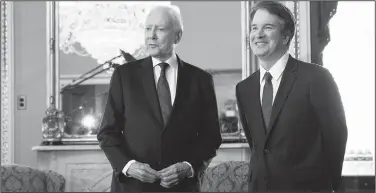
[291, 112]
[160, 127]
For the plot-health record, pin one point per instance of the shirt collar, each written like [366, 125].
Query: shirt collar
[277, 69]
[172, 61]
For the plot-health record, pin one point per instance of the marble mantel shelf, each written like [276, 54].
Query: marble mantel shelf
[96, 147]
[65, 147]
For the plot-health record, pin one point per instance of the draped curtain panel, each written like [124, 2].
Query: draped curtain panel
[321, 13]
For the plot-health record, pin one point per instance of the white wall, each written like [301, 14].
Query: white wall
[30, 77]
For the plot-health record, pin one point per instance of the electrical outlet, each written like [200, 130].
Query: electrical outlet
[21, 102]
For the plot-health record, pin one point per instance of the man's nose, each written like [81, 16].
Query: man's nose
[152, 34]
[259, 33]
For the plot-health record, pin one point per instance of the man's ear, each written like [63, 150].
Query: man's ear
[178, 36]
[286, 39]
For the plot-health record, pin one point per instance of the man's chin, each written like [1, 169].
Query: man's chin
[260, 54]
[153, 54]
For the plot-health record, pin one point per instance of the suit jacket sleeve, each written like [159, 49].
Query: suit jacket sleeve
[110, 135]
[209, 136]
[243, 119]
[326, 101]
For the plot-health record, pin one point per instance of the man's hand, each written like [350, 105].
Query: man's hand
[173, 174]
[143, 172]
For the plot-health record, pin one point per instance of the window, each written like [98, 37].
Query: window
[350, 58]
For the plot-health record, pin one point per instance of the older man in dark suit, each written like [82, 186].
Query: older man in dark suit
[291, 112]
[160, 127]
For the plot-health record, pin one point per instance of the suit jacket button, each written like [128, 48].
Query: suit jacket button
[266, 151]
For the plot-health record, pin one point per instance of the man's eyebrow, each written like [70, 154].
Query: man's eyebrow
[270, 24]
[148, 25]
[267, 24]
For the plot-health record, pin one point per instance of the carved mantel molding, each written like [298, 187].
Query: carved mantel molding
[7, 91]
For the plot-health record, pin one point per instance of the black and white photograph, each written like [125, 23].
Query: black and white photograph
[187, 96]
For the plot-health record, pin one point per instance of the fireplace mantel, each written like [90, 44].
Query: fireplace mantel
[86, 166]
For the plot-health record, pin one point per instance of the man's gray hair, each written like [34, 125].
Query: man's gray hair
[174, 12]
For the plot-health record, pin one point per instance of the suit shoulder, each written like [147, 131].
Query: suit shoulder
[247, 80]
[197, 70]
[130, 66]
[311, 67]
[313, 72]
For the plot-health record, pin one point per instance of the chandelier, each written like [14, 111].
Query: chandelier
[100, 28]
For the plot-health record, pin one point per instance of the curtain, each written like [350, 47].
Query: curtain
[321, 13]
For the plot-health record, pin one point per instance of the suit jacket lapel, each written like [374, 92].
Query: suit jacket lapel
[182, 88]
[288, 79]
[148, 82]
[254, 106]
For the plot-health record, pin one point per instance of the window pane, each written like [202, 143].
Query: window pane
[350, 58]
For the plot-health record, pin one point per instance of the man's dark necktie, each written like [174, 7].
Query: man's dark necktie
[267, 99]
[164, 94]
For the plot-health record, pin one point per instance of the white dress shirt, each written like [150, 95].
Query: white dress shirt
[172, 78]
[171, 74]
[276, 71]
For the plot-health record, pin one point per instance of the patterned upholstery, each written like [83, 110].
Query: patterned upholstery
[19, 178]
[229, 176]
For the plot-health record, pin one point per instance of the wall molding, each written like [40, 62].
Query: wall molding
[246, 50]
[300, 48]
[7, 83]
[304, 26]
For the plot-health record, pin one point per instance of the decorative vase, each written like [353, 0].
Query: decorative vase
[52, 125]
